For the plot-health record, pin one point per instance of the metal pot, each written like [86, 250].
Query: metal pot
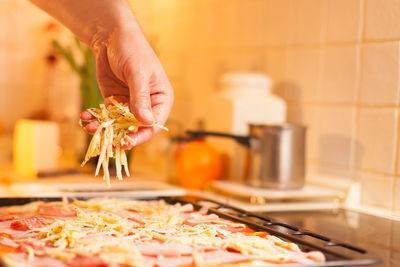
[275, 154]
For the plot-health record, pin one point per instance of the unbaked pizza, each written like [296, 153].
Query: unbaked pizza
[126, 232]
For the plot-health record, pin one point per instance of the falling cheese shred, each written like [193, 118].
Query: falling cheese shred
[116, 122]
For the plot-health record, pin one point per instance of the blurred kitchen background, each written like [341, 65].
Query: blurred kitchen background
[334, 62]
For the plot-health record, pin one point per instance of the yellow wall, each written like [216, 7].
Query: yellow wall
[336, 63]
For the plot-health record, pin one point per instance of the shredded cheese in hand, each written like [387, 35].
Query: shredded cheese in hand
[116, 122]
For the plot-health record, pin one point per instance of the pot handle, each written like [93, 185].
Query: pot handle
[243, 140]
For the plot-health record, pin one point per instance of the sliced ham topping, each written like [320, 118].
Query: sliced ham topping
[192, 221]
[79, 261]
[316, 256]
[27, 224]
[167, 250]
[213, 257]
[222, 256]
[19, 259]
[30, 208]
[56, 209]
[8, 242]
[5, 248]
[187, 208]
[170, 261]
[5, 215]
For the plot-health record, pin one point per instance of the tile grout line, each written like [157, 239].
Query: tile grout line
[354, 170]
[397, 159]
[321, 73]
[356, 118]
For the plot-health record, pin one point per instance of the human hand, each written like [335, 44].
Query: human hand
[128, 70]
[127, 67]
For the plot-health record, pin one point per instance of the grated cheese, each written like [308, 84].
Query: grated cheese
[98, 230]
[116, 122]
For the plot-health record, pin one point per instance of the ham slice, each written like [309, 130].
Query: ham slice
[8, 242]
[316, 256]
[187, 208]
[79, 261]
[27, 224]
[166, 250]
[5, 215]
[192, 221]
[26, 209]
[170, 262]
[19, 259]
[56, 209]
[222, 256]
[213, 257]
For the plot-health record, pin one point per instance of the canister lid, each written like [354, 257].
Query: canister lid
[245, 80]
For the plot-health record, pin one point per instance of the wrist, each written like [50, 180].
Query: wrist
[103, 31]
[90, 20]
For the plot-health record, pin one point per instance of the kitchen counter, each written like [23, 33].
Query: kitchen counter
[378, 235]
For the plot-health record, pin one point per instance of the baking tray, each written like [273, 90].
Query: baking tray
[337, 253]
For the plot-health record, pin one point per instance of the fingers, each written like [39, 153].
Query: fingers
[86, 116]
[139, 102]
[146, 133]
[91, 127]
[142, 136]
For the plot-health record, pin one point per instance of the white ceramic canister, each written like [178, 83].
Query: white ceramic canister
[245, 97]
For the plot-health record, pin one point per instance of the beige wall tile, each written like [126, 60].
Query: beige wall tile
[5, 25]
[344, 20]
[142, 7]
[203, 70]
[307, 21]
[396, 206]
[382, 19]
[377, 190]
[173, 68]
[161, 7]
[303, 75]
[275, 67]
[208, 28]
[336, 135]
[237, 60]
[181, 112]
[333, 171]
[30, 34]
[307, 116]
[274, 22]
[241, 23]
[228, 20]
[247, 26]
[340, 74]
[380, 74]
[376, 135]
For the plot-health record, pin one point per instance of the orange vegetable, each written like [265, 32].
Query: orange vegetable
[197, 164]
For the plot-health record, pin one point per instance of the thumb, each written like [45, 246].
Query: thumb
[139, 99]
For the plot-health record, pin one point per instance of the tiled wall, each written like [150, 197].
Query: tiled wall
[336, 63]
[21, 70]
[29, 86]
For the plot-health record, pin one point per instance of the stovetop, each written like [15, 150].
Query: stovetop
[370, 232]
